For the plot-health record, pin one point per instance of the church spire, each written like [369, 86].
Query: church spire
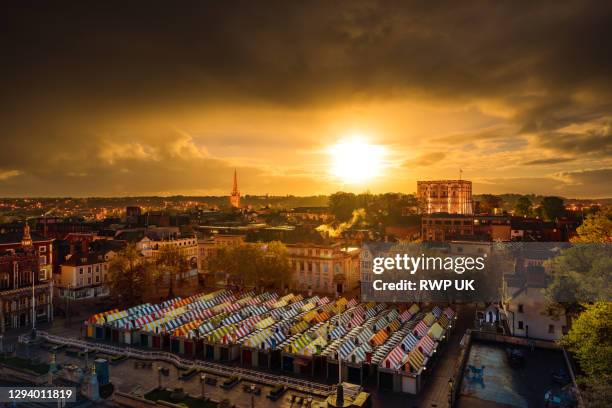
[235, 196]
[235, 189]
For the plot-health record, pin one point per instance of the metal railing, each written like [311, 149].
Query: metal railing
[214, 368]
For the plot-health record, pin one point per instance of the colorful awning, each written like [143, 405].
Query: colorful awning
[420, 329]
[426, 346]
[379, 338]
[394, 359]
[416, 361]
[436, 332]
[409, 342]
[268, 321]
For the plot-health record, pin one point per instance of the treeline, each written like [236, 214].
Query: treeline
[380, 209]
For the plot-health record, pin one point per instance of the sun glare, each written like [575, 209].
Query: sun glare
[356, 161]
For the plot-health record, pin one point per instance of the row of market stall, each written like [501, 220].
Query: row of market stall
[310, 336]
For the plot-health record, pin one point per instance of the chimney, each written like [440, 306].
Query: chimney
[84, 246]
[72, 249]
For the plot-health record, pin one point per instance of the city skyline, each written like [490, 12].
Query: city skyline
[170, 102]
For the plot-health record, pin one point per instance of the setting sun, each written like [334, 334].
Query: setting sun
[355, 161]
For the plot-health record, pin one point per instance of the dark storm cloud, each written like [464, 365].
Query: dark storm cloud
[72, 71]
[297, 52]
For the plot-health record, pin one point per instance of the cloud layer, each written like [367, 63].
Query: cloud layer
[116, 98]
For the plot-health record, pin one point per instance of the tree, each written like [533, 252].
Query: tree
[342, 205]
[489, 202]
[578, 274]
[274, 267]
[127, 275]
[595, 228]
[523, 206]
[171, 263]
[590, 339]
[254, 264]
[553, 207]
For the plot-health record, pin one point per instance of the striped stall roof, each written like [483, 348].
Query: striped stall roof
[420, 329]
[429, 319]
[232, 319]
[436, 332]
[394, 325]
[206, 327]
[186, 329]
[346, 348]
[268, 321]
[321, 317]
[436, 311]
[307, 307]
[444, 321]
[359, 354]
[338, 332]
[357, 320]
[405, 316]
[219, 333]
[394, 359]
[450, 313]
[298, 344]
[414, 309]
[379, 338]
[298, 327]
[426, 346]
[351, 303]
[365, 335]
[314, 347]
[416, 360]
[409, 341]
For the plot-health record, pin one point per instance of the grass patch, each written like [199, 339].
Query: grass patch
[24, 364]
[177, 397]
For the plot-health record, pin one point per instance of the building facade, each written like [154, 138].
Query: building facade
[42, 246]
[447, 196]
[446, 227]
[324, 268]
[83, 276]
[26, 293]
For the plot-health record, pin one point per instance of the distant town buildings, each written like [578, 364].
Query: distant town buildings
[235, 196]
[448, 196]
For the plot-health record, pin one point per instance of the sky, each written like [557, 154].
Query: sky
[114, 98]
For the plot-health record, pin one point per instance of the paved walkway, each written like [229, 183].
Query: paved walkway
[435, 393]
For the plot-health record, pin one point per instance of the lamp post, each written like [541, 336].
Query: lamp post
[33, 305]
[159, 375]
[203, 383]
[252, 395]
[450, 392]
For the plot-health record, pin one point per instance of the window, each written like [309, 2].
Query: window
[42, 260]
[81, 271]
[42, 249]
[520, 325]
[520, 308]
[551, 328]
